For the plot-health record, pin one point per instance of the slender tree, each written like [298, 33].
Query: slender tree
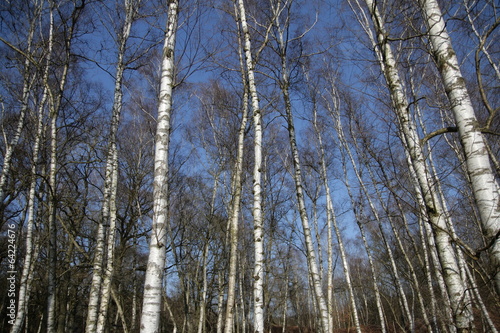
[55, 95]
[284, 84]
[100, 290]
[434, 210]
[484, 183]
[335, 112]
[153, 285]
[258, 275]
[236, 190]
[31, 248]
[28, 80]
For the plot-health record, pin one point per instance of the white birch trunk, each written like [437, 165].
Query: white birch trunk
[201, 320]
[54, 107]
[378, 299]
[424, 244]
[169, 309]
[236, 188]
[52, 247]
[258, 278]
[31, 252]
[153, 285]
[402, 296]
[297, 176]
[112, 181]
[480, 303]
[398, 239]
[485, 187]
[406, 257]
[243, 319]
[220, 302]
[119, 310]
[455, 285]
[343, 253]
[330, 212]
[333, 220]
[9, 147]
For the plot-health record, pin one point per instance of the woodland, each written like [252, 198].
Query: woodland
[238, 166]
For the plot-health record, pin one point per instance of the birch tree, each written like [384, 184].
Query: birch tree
[284, 84]
[31, 247]
[258, 277]
[28, 79]
[484, 184]
[236, 181]
[55, 99]
[333, 106]
[153, 285]
[409, 137]
[101, 278]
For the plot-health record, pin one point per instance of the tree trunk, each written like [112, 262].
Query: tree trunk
[54, 107]
[153, 291]
[112, 181]
[402, 296]
[30, 257]
[297, 176]
[435, 212]
[27, 82]
[333, 221]
[258, 277]
[485, 187]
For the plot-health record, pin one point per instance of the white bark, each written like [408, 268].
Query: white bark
[258, 288]
[220, 302]
[297, 176]
[424, 245]
[485, 187]
[201, 320]
[112, 181]
[52, 248]
[333, 220]
[31, 251]
[10, 146]
[236, 188]
[169, 309]
[54, 107]
[203, 300]
[480, 303]
[435, 212]
[153, 285]
[314, 272]
[402, 296]
[406, 257]
[378, 299]
[399, 241]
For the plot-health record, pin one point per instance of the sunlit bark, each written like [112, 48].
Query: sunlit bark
[258, 278]
[236, 186]
[284, 84]
[332, 221]
[397, 280]
[55, 100]
[31, 248]
[153, 285]
[485, 187]
[434, 210]
[103, 257]
[112, 181]
[27, 82]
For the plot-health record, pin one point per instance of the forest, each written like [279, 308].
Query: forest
[250, 166]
